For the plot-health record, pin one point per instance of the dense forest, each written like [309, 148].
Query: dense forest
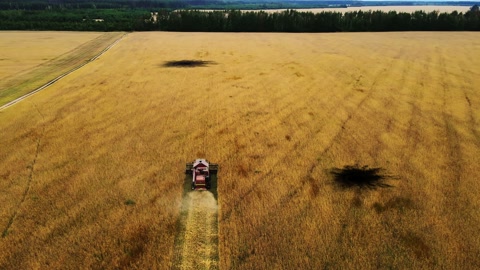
[149, 15]
[294, 21]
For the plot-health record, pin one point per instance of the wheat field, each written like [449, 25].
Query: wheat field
[92, 168]
[29, 60]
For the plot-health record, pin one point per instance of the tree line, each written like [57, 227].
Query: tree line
[75, 20]
[87, 4]
[237, 21]
[294, 21]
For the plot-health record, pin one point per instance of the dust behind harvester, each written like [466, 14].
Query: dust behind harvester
[201, 170]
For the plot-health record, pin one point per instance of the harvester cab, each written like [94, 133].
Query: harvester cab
[201, 170]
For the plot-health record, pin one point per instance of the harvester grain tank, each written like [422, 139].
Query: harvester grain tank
[201, 170]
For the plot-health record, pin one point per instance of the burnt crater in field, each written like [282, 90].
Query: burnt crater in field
[360, 176]
[188, 63]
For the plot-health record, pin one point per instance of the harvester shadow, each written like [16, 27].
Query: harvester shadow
[356, 176]
[188, 63]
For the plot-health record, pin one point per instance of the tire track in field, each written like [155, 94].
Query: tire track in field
[308, 178]
[196, 242]
[295, 148]
[467, 86]
[51, 82]
[380, 75]
[455, 204]
[287, 198]
[280, 113]
[452, 137]
[416, 98]
[471, 121]
[29, 180]
[412, 133]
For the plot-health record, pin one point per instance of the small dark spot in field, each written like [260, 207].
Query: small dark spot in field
[187, 63]
[357, 201]
[314, 188]
[271, 145]
[136, 242]
[5, 175]
[396, 203]
[469, 102]
[288, 138]
[129, 202]
[242, 170]
[255, 156]
[416, 244]
[360, 176]
[298, 74]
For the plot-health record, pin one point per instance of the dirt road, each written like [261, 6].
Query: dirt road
[196, 244]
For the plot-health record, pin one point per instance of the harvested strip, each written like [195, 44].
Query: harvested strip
[197, 242]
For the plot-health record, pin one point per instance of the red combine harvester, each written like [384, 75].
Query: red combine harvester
[201, 170]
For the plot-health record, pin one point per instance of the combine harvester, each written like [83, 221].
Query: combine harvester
[201, 170]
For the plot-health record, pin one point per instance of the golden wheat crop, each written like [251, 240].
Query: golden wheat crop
[92, 168]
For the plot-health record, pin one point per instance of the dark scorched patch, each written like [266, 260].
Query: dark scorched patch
[187, 63]
[360, 176]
